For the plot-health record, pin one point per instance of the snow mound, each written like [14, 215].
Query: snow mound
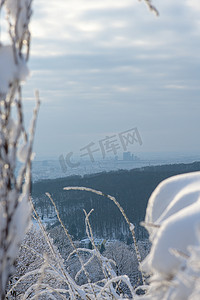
[177, 232]
[165, 193]
[173, 222]
[187, 196]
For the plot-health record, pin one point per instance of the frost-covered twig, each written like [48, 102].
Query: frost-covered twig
[72, 286]
[69, 237]
[15, 142]
[106, 288]
[151, 6]
[131, 227]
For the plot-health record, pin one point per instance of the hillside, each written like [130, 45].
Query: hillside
[131, 188]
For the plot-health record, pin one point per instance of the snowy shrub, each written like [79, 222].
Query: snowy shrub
[61, 241]
[15, 142]
[43, 274]
[33, 253]
[173, 219]
[71, 260]
[125, 258]
[88, 271]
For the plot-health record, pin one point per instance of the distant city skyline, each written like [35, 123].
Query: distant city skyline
[54, 168]
[106, 66]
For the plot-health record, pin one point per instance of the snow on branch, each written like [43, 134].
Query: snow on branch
[151, 7]
[173, 261]
[15, 142]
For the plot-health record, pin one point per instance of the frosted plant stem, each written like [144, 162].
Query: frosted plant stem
[151, 7]
[131, 227]
[69, 280]
[72, 243]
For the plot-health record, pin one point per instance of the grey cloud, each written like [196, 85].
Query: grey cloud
[100, 86]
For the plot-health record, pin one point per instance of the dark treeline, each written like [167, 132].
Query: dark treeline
[132, 190]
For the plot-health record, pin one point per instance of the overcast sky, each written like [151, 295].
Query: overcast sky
[106, 66]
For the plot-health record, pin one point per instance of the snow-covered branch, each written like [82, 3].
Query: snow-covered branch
[15, 142]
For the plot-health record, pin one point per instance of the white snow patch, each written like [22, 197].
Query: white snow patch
[10, 70]
[23, 153]
[19, 10]
[165, 193]
[176, 232]
[173, 261]
[132, 227]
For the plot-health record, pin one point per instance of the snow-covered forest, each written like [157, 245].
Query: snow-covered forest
[40, 264]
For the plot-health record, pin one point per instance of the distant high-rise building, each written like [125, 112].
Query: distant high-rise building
[127, 156]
